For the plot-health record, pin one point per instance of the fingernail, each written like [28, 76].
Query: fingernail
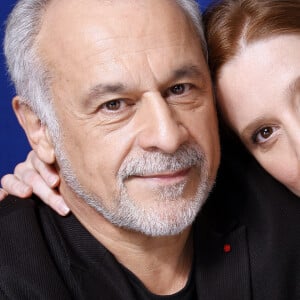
[52, 180]
[25, 189]
[64, 209]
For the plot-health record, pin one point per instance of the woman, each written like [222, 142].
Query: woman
[254, 56]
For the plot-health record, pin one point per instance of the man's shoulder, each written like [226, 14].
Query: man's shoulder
[12, 205]
[19, 222]
[26, 265]
[16, 215]
[21, 235]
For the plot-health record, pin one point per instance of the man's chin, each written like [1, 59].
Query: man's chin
[161, 218]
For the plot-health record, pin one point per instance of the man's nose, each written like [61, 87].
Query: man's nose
[161, 127]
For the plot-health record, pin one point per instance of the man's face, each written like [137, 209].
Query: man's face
[133, 97]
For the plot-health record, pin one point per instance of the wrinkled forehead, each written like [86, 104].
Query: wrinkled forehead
[70, 25]
[107, 38]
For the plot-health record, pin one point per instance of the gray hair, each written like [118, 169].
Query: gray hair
[30, 77]
[27, 71]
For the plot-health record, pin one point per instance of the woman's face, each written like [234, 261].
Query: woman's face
[259, 96]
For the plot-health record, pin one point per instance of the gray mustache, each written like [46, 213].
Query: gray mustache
[148, 163]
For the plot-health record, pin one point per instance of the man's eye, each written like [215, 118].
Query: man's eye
[263, 134]
[112, 105]
[179, 89]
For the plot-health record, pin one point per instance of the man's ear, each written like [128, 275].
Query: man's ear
[37, 133]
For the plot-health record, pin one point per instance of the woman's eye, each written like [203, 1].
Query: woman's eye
[263, 134]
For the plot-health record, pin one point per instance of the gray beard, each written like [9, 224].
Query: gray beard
[170, 213]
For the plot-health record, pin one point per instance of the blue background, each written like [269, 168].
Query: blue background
[14, 146]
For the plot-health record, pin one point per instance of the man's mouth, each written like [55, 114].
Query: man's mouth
[164, 178]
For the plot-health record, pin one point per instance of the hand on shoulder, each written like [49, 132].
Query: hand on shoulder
[34, 176]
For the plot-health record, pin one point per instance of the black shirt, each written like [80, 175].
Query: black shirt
[187, 293]
[45, 256]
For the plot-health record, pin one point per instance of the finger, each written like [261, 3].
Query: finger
[44, 192]
[34, 166]
[3, 194]
[14, 186]
[42, 178]
[52, 198]
[56, 202]
[18, 188]
[28, 174]
[47, 172]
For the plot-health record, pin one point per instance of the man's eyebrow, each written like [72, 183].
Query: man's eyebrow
[101, 90]
[188, 71]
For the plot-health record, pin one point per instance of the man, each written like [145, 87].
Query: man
[121, 102]
[119, 99]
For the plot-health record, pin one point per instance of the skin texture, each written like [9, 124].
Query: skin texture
[259, 96]
[122, 87]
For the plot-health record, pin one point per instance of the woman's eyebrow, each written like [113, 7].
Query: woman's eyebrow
[294, 86]
[251, 127]
[187, 71]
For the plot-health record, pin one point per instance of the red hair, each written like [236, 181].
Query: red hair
[227, 22]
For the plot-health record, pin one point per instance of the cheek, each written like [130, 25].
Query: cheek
[203, 127]
[94, 158]
[283, 167]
